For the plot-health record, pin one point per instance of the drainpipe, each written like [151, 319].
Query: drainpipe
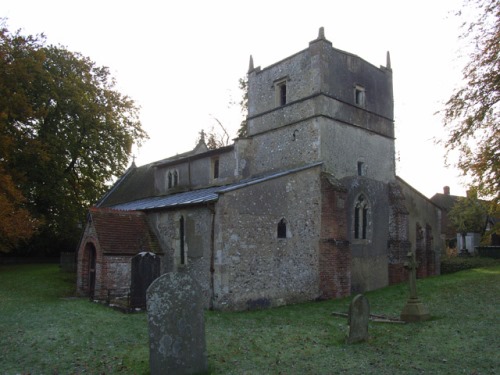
[212, 257]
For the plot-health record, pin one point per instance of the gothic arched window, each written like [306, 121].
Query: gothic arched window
[361, 218]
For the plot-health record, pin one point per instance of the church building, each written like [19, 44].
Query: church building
[306, 206]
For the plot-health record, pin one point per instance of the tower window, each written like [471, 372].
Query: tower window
[359, 96]
[361, 168]
[282, 229]
[281, 91]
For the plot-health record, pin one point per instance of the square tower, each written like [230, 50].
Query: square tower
[323, 104]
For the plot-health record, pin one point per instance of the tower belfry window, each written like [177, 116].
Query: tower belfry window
[281, 91]
[359, 95]
[282, 88]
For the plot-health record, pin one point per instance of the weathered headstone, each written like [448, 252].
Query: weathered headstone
[144, 270]
[176, 325]
[358, 318]
[414, 310]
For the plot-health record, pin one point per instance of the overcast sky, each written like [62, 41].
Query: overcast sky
[181, 60]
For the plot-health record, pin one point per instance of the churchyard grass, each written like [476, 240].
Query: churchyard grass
[45, 330]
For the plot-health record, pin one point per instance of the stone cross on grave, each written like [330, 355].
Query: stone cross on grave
[414, 310]
[411, 264]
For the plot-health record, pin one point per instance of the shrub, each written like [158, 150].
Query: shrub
[451, 264]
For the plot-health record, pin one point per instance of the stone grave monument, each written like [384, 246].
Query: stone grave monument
[414, 310]
[176, 326]
[358, 317]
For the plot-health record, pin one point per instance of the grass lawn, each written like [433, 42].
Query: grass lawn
[45, 330]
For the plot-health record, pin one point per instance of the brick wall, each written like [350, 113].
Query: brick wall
[334, 249]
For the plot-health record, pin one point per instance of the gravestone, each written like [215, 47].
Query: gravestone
[145, 268]
[358, 318]
[176, 325]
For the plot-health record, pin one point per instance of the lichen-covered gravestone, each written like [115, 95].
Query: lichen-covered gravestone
[359, 316]
[176, 326]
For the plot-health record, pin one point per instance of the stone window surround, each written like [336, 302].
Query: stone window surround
[361, 167]
[280, 91]
[172, 178]
[361, 232]
[359, 95]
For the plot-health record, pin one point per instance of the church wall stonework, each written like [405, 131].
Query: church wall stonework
[425, 215]
[197, 243]
[302, 79]
[253, 267]
[286, 147]
[343, 146]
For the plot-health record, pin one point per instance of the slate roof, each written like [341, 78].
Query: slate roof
[123, 232]
[136, 183]
[200, 196]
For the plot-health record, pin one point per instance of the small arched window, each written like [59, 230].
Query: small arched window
[169, 180]
[172, 178]
[361, 218]
[176, 178]
[282, 228]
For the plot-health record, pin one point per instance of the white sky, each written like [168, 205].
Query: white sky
[181, 60]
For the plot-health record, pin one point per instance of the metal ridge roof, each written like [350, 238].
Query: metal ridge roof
[200, 196]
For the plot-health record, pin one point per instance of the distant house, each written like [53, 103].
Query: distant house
[453, 240]
[445, 201]
[306, 206]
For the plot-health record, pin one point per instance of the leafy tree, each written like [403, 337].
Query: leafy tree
[468, 215]
[16, 223]
[65, 132]
[471, 114]
[243, 85]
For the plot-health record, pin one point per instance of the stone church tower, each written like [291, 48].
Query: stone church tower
[330, 106]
